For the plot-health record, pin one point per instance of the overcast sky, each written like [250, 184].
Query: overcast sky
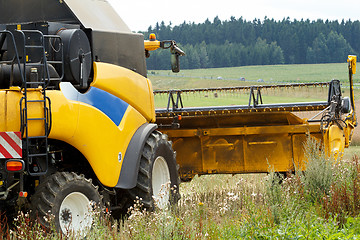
[140, 14]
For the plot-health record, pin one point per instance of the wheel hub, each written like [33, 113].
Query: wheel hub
[65, 216]
[161, 182]
[75, 214]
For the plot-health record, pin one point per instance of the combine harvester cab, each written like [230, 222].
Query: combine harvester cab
[255, 137]
[77, 117]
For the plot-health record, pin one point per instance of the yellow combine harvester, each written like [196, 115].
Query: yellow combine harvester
[78, 123]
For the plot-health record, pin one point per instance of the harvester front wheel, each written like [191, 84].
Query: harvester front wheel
[70, 198]
[158, 178]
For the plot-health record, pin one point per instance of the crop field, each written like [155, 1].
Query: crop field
[324, 203]
[249, 75]
[162, 79]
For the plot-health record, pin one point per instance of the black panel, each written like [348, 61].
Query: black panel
[26, 11]
[34, 55]
[130, 167]
[126, 50]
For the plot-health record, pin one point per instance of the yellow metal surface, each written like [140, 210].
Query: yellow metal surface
[10, 111]
[151, 45]
[349, 130]
[352, 63]
[351, 119]
[92, 132]
[126, 85]
[334, 141]
[244, 143]
[247, 143]
[81, 125]
[231, 112]
[99, 139]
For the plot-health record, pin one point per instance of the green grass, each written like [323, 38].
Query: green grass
[242, 98]
[270, 73]
[242, 206]
[351, 151]
[208, 78]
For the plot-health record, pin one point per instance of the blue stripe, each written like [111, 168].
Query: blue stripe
[109, 104]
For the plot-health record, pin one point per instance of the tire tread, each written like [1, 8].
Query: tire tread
[44, 198]
[143, 189]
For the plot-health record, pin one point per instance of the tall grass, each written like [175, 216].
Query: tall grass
[318, 176]
[321, 203]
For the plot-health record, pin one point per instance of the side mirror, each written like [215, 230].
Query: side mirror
[175, 63]
[175, 53]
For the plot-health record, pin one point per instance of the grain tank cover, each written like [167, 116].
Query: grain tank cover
[95, 14]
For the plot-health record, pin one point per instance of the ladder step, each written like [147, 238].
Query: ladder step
[37, 155]
[34, 46]
[31, 101]
[51, 36]
[54, 62]
[35, 64]
[36, 119]
[55, 79]
[35, 83]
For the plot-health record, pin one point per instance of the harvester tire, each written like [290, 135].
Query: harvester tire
[70, 199]
[158, 179]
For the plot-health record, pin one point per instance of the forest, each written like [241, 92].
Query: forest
[238, 42]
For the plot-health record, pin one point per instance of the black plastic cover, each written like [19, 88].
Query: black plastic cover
[77, 56]
[130, 166]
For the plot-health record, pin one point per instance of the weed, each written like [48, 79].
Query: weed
[319, 170]
[4, 227]
[253, 206]
[343, 199]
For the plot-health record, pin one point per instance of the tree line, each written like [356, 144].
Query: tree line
[238, 42]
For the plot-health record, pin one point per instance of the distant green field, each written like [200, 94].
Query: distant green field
[269, 73]
[225, 77]
[242, 98]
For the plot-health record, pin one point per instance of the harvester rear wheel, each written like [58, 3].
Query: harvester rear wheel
[158, 179]
[69, 197]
